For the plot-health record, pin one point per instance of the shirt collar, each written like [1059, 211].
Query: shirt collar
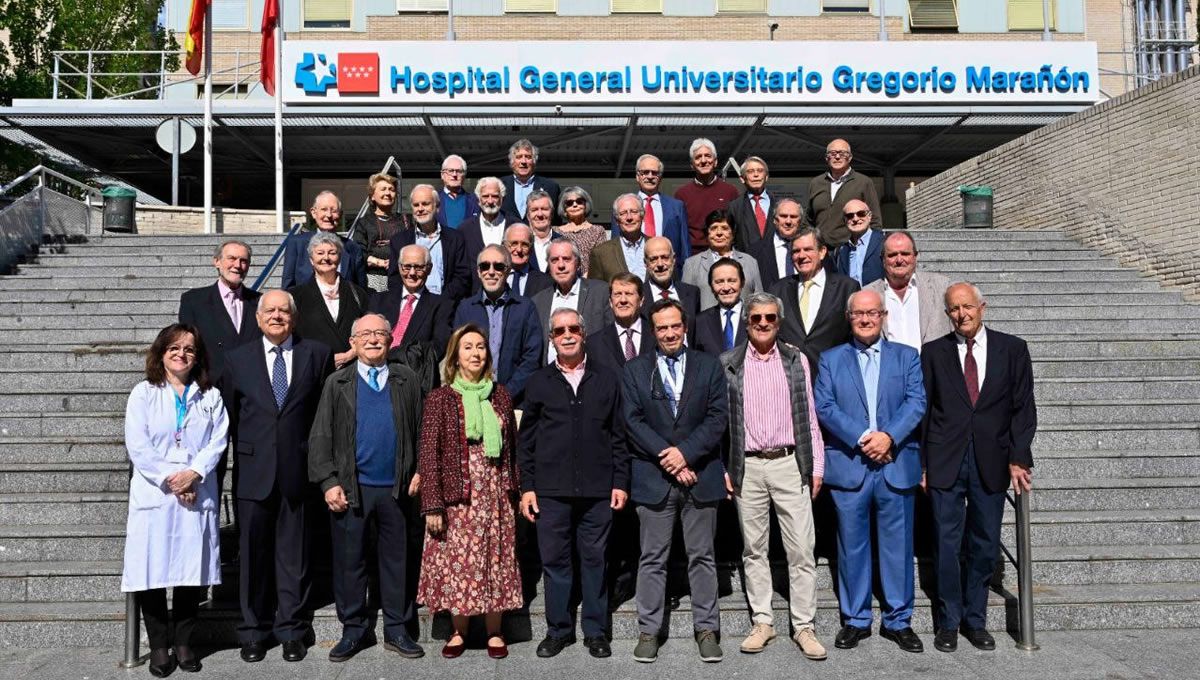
[753, 354]
[569, 371]
[571, 293]
[286, 344]
[980, 337]
[863, 241]
[517, 180]
[643, 195]
[483, 221]
[873, 348]
[224, 290]
[417, 293]
[326, 288]
[503, 299]
[446, 190]
[636, 326]
[819, 279]
[437, 230]
[845, 176]
[364, 370]
[636, 244]
[736, 309]
[709, 183]
[663, 355]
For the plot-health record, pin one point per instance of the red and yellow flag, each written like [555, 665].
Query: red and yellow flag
[269, 21]
[194, 42]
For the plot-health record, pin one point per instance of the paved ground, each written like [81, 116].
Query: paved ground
[1111, 655]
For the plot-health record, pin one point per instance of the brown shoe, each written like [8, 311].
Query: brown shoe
[809, 645]
[757, 640]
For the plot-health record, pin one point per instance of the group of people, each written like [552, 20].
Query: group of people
[569, 377]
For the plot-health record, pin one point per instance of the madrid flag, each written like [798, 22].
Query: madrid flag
[267, 55]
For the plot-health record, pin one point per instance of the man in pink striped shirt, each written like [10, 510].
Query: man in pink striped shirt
[776, 458]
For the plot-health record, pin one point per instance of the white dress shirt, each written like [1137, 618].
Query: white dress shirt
[979, 351]
[783, 253]
[287, 357]
[815, 293]
[835, 184]
[904, 316]
[542, 249]
[493, 233]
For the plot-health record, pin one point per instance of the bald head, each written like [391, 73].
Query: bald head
[660, 260]
[857, 215]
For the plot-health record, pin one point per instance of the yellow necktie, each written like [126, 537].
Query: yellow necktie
[804, 303]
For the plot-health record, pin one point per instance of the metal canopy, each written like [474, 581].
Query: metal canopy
[117, 137]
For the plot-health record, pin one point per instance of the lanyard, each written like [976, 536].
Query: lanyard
[181, 409]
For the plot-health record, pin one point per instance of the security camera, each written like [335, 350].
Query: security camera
[773, 27]
[558, 109]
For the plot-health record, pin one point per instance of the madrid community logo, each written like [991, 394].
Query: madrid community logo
[352, 73]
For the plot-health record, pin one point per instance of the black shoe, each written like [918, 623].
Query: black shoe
[551, 646]
[254, 651]
[946, 640]
[904, 638]
[849, 636]
[346, 648]
[294, 650]
[161, 662]
[404, 646]
[980, 638]
[598, 647]
[187, 659]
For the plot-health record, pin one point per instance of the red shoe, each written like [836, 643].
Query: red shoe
[497, 652]
[450, 651]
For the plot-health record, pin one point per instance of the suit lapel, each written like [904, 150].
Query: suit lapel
[689, 380]
[856, 375]
[265, 378]
[954, 368]
[219, 311]
[418, 315]
[827, 303]
[299, 366]
[991, 376]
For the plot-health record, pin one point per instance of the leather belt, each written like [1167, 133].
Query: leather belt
[772, 454]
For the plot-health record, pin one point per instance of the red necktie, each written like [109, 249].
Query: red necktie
[666, 295]
[759, 215]
[406, 313]
[648, 222]
[971, 373]
[630, 350]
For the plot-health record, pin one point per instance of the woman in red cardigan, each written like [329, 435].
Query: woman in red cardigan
[468, 491]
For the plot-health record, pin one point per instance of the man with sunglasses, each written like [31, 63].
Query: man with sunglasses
[871, 399]
[776, 459]
[664, 215]
[574, 475]
[829, 192]
[859, 258]
[513, 332]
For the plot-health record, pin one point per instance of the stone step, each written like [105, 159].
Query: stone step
[1099, 288]
[33, 381]
[87, 401]
[1119, 436]
[944, 262]
[66, 449]
[1055, 299]
[130, 320]
[964, 271]
[1114, 388]
[109, 423]
[1085, 312]
[1129, 528]
[1109, 495]
[1115, 564]
[56, 543]
[1116, 347]
[66, 581]
[1088, 368]
[980, 252]
[65, 509]
[139, 337]
[1114, 464]
[62, 476]
[117, 356]
[1129, 326]
[1143, 411]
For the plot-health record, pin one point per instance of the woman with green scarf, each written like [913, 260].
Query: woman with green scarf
[469, 487]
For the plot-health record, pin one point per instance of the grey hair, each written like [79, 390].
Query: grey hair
[455, 157]
[567, 310]
[574, 191]
[423, 249]
[839, 139]
[537, 195]
[437, 200]
[324, 237]
[522, 144]
[326, 192]
[220, 249]
[291, 301]
[488, 180]
[574, 251]
[661, 168]
[518, 225]
[701, 142]
[498, 249]
[850, 300]
[759, 299]
[354, 327]
[755, 159]
[974, 289]
[788, 200]
[622, 197]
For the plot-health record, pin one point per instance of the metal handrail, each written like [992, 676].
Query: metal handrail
[362, 210]
[41, 171]
[275, 258]
[1023, 562]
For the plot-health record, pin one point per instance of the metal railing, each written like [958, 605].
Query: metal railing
[76, 73]
[1023, 562]
[388, 165]
[44, 207]
[276, 257]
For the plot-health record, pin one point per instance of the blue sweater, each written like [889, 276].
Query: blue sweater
[375, 436]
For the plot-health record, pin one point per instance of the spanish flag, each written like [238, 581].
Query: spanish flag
[194, 42]
[270, 21]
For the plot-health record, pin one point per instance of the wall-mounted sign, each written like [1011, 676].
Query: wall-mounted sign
[741, 72]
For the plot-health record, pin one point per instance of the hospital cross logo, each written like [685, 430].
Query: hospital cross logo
[352, 73]
[314, 73]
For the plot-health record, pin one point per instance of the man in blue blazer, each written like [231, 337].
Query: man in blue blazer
[676, 410]
[870, 400]
[860, 257]
[523, 159]
[515, 336]
[274, 386]
[665, 215]
[326, 212]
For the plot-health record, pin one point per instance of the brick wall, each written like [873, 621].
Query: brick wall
[152, 219]
[1121, 177]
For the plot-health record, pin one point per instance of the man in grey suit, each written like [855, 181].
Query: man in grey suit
[570, 290]
[914, 302]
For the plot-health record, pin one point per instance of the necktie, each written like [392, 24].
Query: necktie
[666, 294]
[804, 303]
[516, 282]
[759, 215]
[630, 350]
[406, 313]
[971, 373]
[870, 376]
[671, 361]
[373, 378]
[279, 379]
[648, 223]
[728, 329]
[235, 311]
[789, 267]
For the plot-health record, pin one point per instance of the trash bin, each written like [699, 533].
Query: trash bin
[977, 206]
[119, 209]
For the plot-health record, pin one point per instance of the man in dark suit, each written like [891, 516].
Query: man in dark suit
[273, 388]
[456, 205]
[415, 314]
[363, 455]
[676, 411]
[774, 254]
[859, 258]
[663, 215]
[573, 405]
[224, 311]
[514, 335]
[523, 278]
[977, 440]
[829, 191]
[663, 283]
[450, 275]
[539, 212]
[815, 299]
[720, 328]
[326, 212]
[626, 337]
[870, 400]
[753, 213]
[626, 253]
[570, 290]
[523, 159]
[485, 227]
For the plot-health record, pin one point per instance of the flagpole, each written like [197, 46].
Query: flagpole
[280, 217]
[208, 115]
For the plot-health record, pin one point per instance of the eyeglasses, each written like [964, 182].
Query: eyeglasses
[412, 267]
[759, 318]
[185, 351]
[453, 171]
[379, 333]
[649, 173]
[867, 314]
[857, 213]
[484, 267]
[837, 154]
[568, 202]
[559, 331]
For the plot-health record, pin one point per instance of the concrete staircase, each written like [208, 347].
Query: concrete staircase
[1117, 500]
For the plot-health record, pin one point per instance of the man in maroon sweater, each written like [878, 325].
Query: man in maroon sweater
[705, 193]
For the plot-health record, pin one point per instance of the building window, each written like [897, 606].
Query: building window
[230, 14]
[637, 6]
[422, 5]
[543, 6]
[741, 6]
[933, 15]
[1026, 15]
[327, 13]
[1162, 43]
[846, 6]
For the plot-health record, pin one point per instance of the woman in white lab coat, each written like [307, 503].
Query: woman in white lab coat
[175, 431]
